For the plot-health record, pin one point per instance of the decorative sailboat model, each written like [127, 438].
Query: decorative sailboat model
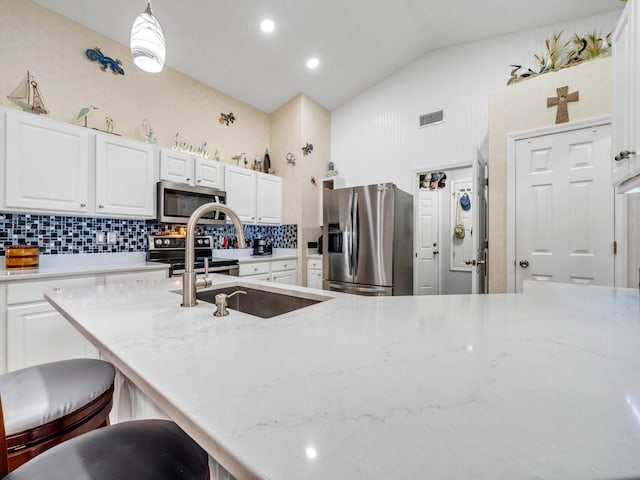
[27, 95]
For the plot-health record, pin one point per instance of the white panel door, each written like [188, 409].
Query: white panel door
[563, 183]
[125, 177]
[427, 233]
[46, 165]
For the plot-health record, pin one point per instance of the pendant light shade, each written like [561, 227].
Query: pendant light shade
[147, 42]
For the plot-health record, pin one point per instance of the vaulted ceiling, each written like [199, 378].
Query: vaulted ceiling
[358, 42]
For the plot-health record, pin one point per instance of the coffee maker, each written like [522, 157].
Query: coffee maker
[261, 247]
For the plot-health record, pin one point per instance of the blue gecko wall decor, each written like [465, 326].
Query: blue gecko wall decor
[95, 55]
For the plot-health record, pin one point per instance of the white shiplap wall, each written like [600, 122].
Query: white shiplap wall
[375, 136]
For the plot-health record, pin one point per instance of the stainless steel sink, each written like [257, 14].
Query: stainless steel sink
[261, 303]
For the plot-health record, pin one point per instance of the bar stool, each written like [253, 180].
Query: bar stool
[47, 404]
[135, 450]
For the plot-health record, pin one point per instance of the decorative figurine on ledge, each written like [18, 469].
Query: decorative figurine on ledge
[149, 135]
[108, 121]
[84, 113]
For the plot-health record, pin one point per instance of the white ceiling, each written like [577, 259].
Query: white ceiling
[358, 42]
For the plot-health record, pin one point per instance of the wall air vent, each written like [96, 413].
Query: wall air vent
[432, 118]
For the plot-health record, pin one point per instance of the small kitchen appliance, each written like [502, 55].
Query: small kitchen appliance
[262, 247]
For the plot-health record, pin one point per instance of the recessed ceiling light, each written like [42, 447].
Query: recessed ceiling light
[267, 26]
[313, 63]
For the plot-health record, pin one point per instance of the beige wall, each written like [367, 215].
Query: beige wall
[299, 121]
[52, 47]
[522, 107]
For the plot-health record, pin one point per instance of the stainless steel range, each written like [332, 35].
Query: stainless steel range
[170, 249]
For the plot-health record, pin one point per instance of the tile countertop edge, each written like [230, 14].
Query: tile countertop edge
[81, 264]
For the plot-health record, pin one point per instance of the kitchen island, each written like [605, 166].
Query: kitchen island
[544, 384]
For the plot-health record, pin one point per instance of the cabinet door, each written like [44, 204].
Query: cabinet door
[240, 184]
[125, 177]
[269, 197]
[288, 277]
[176, 167]
[314, 278]
[36, 333]
[209, 173]
[46, 165]
[625, 98]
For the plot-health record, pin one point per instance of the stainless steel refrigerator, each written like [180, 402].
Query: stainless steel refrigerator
[368, 240]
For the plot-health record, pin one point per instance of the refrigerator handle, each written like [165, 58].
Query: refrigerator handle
[349, 235]
[355, 225]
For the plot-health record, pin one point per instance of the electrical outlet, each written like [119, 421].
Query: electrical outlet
[112, 238]
[100, 238]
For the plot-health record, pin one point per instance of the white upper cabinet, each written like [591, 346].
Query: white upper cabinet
[46, 165]
[255, 196]
[240, 185]
[125, 177]
[184, 168]
[626, 99]
[269, 199]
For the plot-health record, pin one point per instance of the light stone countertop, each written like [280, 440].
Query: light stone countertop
[80, 264]
[540, 385]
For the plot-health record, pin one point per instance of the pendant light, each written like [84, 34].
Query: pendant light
[147, 42]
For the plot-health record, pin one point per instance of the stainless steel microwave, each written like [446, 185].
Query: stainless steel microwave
[176, 202]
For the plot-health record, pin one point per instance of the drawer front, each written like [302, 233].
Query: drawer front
[314, 263]
[253, 268]
[281, 265]
[33, 291]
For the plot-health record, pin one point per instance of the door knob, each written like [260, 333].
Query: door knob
[524, 263]
[623, 155]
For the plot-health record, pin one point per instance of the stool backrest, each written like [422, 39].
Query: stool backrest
[4, 461]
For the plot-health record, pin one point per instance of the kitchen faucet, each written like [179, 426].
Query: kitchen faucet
[189, 278]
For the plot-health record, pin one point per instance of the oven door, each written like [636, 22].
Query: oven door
[232, 270]
[176, 202]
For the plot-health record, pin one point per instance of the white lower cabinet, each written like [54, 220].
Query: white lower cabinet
[279, 271]
[284, 271]
[36, 332]
[314, 273]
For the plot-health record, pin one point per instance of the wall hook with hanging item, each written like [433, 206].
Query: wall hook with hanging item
[458, 230]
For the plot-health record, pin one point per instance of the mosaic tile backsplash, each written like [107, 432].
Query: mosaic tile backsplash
[56, 234]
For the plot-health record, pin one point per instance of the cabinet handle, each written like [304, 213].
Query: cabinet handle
[285, 265]
[624, 154]
[83, 205]
[188, 179]
[198, 180]
[100, 206]
[255, 269]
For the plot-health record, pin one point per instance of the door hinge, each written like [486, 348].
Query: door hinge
[486, 182]
[615, 247]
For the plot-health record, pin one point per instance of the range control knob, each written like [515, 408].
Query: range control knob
[206, 242]
[158, 242]
[199, 241]
[166, 242]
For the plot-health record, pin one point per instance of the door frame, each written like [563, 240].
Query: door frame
[415, 190]
[620, 206]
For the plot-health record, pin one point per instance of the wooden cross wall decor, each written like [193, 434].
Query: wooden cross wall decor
[563, 98]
